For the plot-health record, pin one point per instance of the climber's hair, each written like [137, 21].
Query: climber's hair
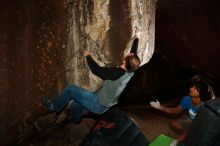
[202, 87]
[129, 65]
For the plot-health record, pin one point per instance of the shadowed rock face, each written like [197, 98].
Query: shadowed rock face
[42, 43]
[187, 32]
[33, 41]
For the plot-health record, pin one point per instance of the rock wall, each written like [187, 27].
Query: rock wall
[107, 28]
[42, 44]
[33, 44]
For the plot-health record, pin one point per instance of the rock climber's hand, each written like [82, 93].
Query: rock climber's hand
[86, 53]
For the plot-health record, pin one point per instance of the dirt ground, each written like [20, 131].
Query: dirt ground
[152, 122]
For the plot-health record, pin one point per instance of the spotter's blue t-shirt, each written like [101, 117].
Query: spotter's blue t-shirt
[186, 103]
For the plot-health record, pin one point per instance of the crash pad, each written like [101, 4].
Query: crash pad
[115, 128]
[162, 140]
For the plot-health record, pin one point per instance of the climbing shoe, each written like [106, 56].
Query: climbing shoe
[48, 103]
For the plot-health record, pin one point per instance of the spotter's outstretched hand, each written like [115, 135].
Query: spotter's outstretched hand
[155, 104]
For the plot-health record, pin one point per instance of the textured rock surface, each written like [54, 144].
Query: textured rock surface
[42, 43]
[33, 45]
[107, 29]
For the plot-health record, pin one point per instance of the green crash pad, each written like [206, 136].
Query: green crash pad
[162, 140]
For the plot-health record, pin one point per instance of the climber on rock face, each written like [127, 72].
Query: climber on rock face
[98, 102]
